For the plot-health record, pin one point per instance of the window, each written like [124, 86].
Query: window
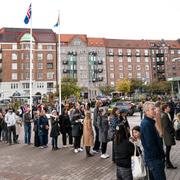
[172, 51]
[128, 52]
[178, 51]
[14, 66]
[146, 52]
[27, 46]
[14, 46]
[27, 65]
[40, 85]
[130, 75]
[27, 75]
[147, 75]
[152, 51]
[120, 59]
[50, 85]
[25, 85]
[40, 46]
[111, 75]
[14, 56]
[49, 65]
[40, 65]
[121, 67]
[112, 83]
[0, 55]
[111, 59]
[27, 56]
[138, 52]
[121, 75]
[129, 59]
[120, 52]
[110, 51]
[49, 56]
[138, 59]
[49, 47]
[138, 67]
[40, 75]
[147, 67]
[139, 75]
[14, 76]
[130, 67]
[14, 86]
[146, 59]
[40, 56]
[50, 75]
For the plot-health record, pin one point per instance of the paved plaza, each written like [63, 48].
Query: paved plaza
[26, 162]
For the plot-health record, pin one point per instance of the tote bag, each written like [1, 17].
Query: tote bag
[137, 165]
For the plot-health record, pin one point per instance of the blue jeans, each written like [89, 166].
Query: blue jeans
[27, 133]
[43, 139]
[156, 169]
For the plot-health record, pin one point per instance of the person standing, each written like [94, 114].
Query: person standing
[88, 136]
[168, 133]
[43, 126]
[65, 127]
[152, 144]
[103, 126]
[10, 119]
[27, 126]
[35, 128]
[95, 117]
[77, 128]
[54, 130]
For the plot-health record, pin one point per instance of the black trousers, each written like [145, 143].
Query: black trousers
[11, 130]
[168, 149]
[104, 147]
[97, 143]
[64, 138]
[77, 142]
[54, 142]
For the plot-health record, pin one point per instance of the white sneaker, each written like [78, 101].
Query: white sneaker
[80, 149]
[104, 156]
[76, 150]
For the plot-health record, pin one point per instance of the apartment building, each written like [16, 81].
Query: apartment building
[127, 59]
[15, 61]
[92, 62]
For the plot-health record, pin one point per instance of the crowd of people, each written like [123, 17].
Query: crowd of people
[84, 129]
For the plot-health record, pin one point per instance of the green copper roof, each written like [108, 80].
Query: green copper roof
[26, 37]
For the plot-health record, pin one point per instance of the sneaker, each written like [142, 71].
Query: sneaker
[95, 151]
[104, 156]
[65, 146]
[41, 147]
[80, 149]
[76, 150]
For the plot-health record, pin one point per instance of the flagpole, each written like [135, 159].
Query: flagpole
[59, 64]
[30, 69]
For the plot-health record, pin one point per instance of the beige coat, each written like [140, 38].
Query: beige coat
[88, 136]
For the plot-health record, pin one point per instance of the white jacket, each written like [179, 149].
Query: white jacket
[10, 119]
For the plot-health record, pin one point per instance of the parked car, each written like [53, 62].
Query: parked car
[105, 100]
[129, 106]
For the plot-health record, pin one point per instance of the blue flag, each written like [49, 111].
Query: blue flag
[58, 22]
[28, 15]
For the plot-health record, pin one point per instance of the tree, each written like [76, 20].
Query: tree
[136, 84]
[69, 88]
[106, 89]
[123, 86]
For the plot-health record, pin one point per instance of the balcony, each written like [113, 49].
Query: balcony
[100, 62]
[71, 53]
[65, 71]
[93, 53]
[159, 55]
[138, 54]
[160, 70]
[110, 54]
[160, 62]
[100, 78]
[65, 62]
[100, 70]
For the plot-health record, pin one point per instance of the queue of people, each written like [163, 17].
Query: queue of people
[158, 129]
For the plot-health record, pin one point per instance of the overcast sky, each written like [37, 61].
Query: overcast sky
[120, 19]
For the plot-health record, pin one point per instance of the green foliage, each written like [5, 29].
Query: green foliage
[69, 88]
[123, 86]
[106, 89]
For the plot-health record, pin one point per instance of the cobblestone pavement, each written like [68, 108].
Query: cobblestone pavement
[25, 162]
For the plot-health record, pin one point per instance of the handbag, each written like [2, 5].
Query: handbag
[137, 165]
